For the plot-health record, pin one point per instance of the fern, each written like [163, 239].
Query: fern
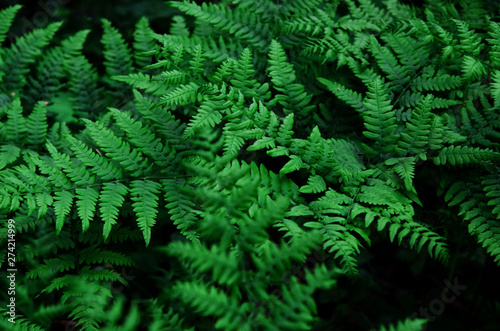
[118, 58]
[407, 324]
[143, 42]
[21, 54]
[463, 155]
[283, 77]
[271, 151]
[379, 118]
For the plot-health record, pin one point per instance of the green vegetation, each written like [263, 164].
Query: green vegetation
[264, 165]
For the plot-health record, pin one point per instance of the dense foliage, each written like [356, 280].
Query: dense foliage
[273, 165]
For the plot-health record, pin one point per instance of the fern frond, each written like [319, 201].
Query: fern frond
[94, 254]
[406, 325]
[209, 114]
[117, 55]
[8, 154]
[154, 85]
[6, 17]
[87, 302]
[414, 138]
[495, 88]
[144, 194]
[36, 125]
[62, 206]
[145, 140]
[111, 197]
[210, 301]
[409, 52]
[181, 95]
[51, 70]
[482, 223]
[460, 155]
[83, 84]
[398, 74]
[336, 232]
[178, 27]
[352, 98]
[15, 127]
[470, 42]
[86, 203]
[492, 188]
[180, 207]
[244, 74]
[438, 83]
[242, 24]
[143, 42]
[163, 121]
[223, 265]
[472, 68]
[196, 64]
[494, 42]
[117, 149]
[51, 266]
[22, 323]
[26, 49]
[282, 74]
[380, 118]
[405, 168]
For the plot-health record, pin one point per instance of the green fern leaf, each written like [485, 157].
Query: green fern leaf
[117, 55]
[209, 301]
[86, 203]
[117, 149]
[36, 125]
[223, 265]
[282, 74]
[181, 95]
[295, 163]
[242, 24]
[491, 185]
[495, 88]
[178, 27]
[43, 201]
[143, 42]
[352, 98]
[442, 82]
[414, 138]
[495, 42]
[388, 63]
[196, 63]
[380, 118]
[8, 154]
[407, 325]
[111, 197]
[181, 207]
[62, 205]
[315, 184]
[470, 42]
[405, 168]
[460, 155]
[83, 85]
[209, 115]
[6, 17]
[243, 74]
[144, 194]
[51, 266]
[95, 254]
[472, 68]
[436, 133]
[22, 53]
[15, 128]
